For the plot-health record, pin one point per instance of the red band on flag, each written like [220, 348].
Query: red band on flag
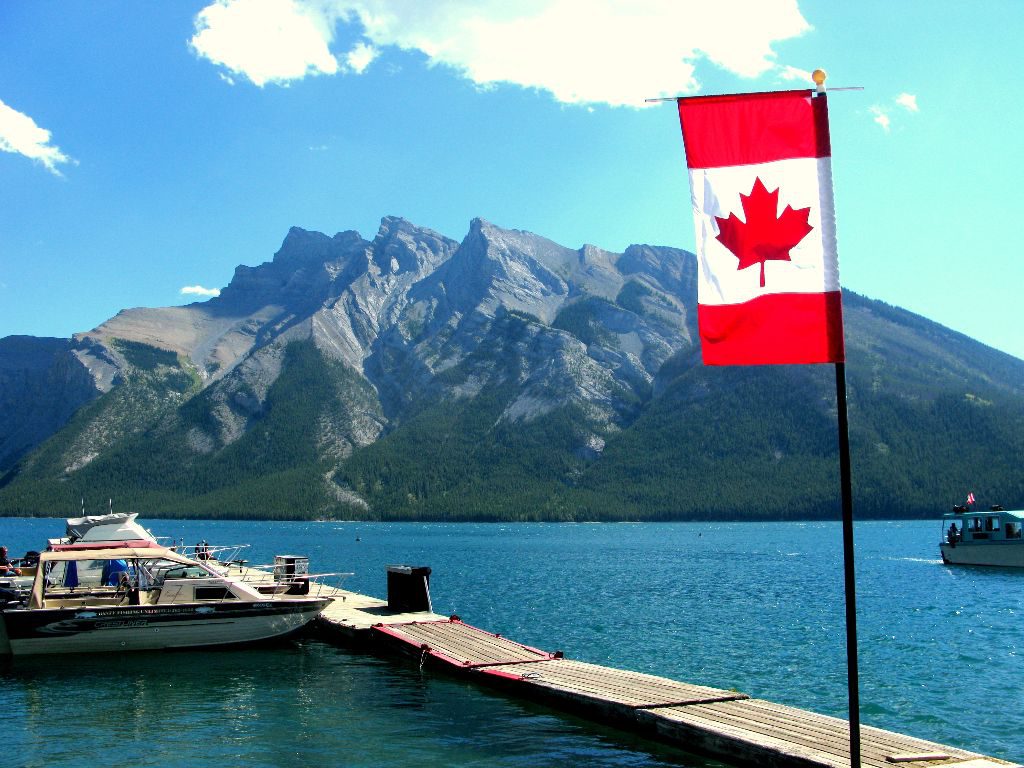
[775, 328]
[744, 129]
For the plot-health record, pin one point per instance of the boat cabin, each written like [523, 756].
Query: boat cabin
[997, 524]
[129, 573]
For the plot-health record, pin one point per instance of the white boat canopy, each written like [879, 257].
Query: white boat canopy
[117, 526]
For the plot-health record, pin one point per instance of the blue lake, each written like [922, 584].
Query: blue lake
[751, 606]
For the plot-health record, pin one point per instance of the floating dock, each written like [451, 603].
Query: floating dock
[721, 724]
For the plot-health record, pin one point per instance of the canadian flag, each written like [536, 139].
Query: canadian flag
[761, 182]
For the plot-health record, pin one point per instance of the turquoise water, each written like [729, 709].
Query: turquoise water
[756, 607]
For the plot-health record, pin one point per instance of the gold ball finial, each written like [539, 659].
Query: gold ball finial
[818, 76]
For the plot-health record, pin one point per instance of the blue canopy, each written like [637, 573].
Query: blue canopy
[71, 574]
[112, 570]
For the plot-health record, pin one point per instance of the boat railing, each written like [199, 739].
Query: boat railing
[171, 587]
[267, 579]
[225, 554]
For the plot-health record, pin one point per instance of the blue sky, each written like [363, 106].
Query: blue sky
[146, 149]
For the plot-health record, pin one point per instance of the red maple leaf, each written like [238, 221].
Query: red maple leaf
[765, 236]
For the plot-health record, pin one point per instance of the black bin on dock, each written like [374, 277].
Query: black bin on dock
[408, 588]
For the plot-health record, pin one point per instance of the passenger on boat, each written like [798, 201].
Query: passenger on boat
[953, 535]
[6, 566]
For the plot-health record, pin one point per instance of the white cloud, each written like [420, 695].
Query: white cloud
[581, 51]
[360, 57]
[267, 41]
[578, 50]
[787, 72]
[198, 290]
[20, 134]
[908, 101]
[881, 117]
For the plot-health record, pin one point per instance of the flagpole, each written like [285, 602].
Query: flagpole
[852, 677]
[722, 134]
[677, 98]
[846, 491]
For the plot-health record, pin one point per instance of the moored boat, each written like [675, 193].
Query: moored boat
[135, 594]
[983, 537]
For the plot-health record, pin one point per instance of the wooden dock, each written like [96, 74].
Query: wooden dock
[721, 724]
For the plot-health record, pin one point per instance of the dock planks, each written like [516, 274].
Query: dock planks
[580, 681]
[462, 645]
[722, 724]
[770, 733]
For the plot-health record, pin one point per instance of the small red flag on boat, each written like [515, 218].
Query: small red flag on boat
[761, 181]
[970, 498]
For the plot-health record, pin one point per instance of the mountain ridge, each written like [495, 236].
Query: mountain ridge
[503, 376]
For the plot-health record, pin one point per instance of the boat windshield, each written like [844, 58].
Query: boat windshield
[95, 574]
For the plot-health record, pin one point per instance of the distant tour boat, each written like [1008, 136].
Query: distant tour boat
[983, 537]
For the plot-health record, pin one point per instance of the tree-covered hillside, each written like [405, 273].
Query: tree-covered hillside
[740, 443]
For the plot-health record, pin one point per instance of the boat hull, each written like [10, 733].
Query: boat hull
[1009, 554]
[147, 628]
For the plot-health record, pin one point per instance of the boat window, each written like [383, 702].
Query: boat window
[991, 523]
[215, 593]
[186, 572]
[1013, 530]
[975, 523]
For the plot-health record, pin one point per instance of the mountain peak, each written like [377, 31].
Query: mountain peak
[392, 224]
[302, 246]
[402, 247]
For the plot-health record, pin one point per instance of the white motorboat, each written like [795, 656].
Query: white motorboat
[135, 594]
[983, 537]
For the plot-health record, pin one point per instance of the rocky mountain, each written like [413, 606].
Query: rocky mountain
[503, 377]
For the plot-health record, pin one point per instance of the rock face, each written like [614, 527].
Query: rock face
[411, 304]
[507, 342]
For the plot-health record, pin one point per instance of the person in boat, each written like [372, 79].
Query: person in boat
[952, 535]
[6, 566]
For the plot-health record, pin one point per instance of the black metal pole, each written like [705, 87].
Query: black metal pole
[852, 679]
